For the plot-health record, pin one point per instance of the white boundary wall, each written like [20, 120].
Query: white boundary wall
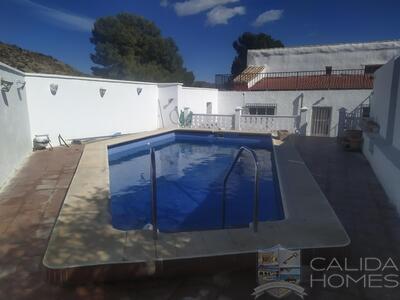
[383, 149]
[196, 99]
[15, 138]
[168, 110]
[77, 110]
[396, 133]
[385, 161]
[385, 103]
[380, 99]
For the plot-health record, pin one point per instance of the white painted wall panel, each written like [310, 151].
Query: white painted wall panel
[168, 114]
[196, 99]
[381, 97]
[15, 138]
[78, 111]
[396, 132]
[383, 156]
[385, 162]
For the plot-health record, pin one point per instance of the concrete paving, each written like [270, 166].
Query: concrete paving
[30, 204]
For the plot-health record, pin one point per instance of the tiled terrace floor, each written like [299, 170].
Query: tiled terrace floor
[29, 206]
[361, 204]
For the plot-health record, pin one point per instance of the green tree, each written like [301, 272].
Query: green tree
[248, 41]
[130, 47]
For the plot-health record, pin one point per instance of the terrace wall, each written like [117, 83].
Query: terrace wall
[77, 110]
[396, 132]
[289, 102]
[311, 58]
[382, 91]
[168, 111]
[382, 149]
[15, 138]
[196, 99]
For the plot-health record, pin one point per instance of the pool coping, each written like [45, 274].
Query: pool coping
[83, 235]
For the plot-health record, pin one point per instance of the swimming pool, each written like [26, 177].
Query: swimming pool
[191, 167]
[101, 251]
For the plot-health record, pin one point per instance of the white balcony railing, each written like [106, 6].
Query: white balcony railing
[212, 121]
[252, 123]
[267, 123]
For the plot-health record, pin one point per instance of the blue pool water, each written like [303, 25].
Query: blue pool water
[190, 173]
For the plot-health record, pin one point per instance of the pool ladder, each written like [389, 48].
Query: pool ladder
[256, 201]
[153, 178]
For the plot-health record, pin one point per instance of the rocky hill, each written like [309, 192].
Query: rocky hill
[34, 62]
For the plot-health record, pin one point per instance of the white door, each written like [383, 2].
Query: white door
[321, 121]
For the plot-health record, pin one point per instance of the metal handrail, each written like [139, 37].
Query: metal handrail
[360, 71]
[153, 179]
[256, 187]
[353, 119]
[296, 80]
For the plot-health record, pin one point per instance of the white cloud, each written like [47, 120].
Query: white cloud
[67, 20]
[192, 7]
[268, 16]
[164, 3]
[222, 14]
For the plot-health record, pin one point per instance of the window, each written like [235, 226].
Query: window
[370, 69]
[271, 110]
[328, 70]
[261, 109]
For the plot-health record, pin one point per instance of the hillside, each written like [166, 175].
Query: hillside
[33, 62]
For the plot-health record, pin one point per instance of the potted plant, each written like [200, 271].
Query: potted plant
[371, 126]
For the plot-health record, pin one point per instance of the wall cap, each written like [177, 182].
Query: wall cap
[11, 69]
[328, 48]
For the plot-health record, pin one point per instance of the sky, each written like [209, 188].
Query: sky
[203, 30]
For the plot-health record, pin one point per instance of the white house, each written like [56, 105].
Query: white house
[323, 80]
[324, 57]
